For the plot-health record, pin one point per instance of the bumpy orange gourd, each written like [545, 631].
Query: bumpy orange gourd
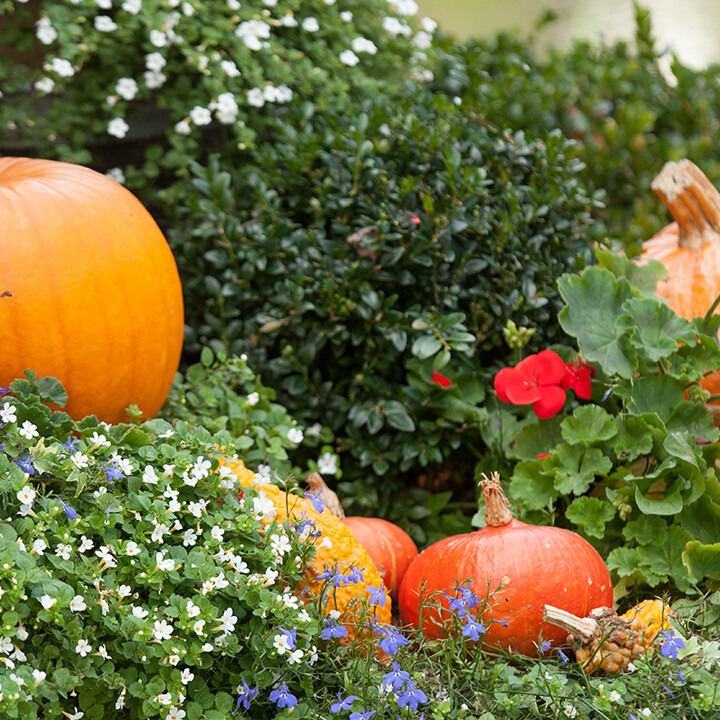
[93, 293]
[335, 546]
[515, 568]
[689, 247]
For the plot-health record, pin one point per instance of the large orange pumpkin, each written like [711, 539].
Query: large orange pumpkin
[689, 247]
[514, 569]
[93, 293]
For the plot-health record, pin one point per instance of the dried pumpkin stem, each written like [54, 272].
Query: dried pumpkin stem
[497, 506]
[693, 201]
[582, 628]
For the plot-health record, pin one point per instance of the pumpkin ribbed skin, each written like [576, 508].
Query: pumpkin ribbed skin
[342, 550]
[536, 565]
[390, 547]
[96, 300]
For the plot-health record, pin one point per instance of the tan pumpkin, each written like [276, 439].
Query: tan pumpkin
[689, 247]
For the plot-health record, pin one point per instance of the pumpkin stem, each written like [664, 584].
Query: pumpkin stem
[320, 488]
[693, 201]
[497, 506]
[582, 628]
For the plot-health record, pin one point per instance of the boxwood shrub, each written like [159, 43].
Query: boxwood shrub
[364, 252]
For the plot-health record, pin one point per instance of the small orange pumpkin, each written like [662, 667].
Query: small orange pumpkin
[689, 247]
[93, 293]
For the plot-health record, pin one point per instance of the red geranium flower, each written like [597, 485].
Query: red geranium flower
[578, 378]
[441, 380]
[536, 380]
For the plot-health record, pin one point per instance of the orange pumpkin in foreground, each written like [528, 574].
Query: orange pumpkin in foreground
[389, 546]
[531, 565]
[92, 293]
[689, 247]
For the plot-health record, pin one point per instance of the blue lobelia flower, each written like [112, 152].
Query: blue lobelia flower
[343, 704]
[283, 697]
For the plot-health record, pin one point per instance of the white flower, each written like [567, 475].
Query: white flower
[646, 712]
[234, 4]
[149, 475]
[126, 88]
[118, 128]
[120, 702]
[197, 508]
[295, 435]
[28, 430]
[45, 32]
[85, 544]
[139, 612]
[310, 24]
[190, 537]
[186, 676]
[255, 97]
[290, 601]
[132, 7]
[104, 23]
[428, 24]
[227, 621]
[6, 645]
[174, 660]
[349, 58]
[183, 127]
[163, 630]
[153, 80]
[313, 656]
[39, 676]
[155, 62]
[570, 711]
[253, 398]
[281, 644]
[252, 31]
[104, 4]
[219, 581]
[175, 713]
[304, 616]
[395, 27]
[47, 602]
[158, 38]
[124, 591]
[192, 609]
[132, 548]
[39, 546]
[217, 533]
[63, 551]
[103, 653]
[279, 544]
[198, 627]
[158, 532]
[346, 16]
[77, 604]
[226, 108]
[270, 3]
[7, 413]
[288, 20]
[405, 7]
[163, 563]
[201, 468]
[615, 696]
[208, 586]
[269, 577]
[100, 440]
[327, 463]
[26, 494]
[116, 174]
[164, 698]
[238, 564]
[230, 68]
[422, 40]
[263, 507]
[79, 460]
[361, 44]
[44, 85]
[100, 491]
[83, 647]
[75, 714]
[295, 657]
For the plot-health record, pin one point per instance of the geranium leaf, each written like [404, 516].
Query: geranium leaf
[702, 519]
[655, 329]
[634, 438]
[594, 301]
[702, 560]
[659, 394]
[579, 468]
[588, 424]
[536, 439]
[643, 278]
[693, 418]
[670, 504]
[531, 487]
[666, 557]
[590, 513]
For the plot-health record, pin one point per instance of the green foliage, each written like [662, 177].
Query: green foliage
[633, 470]
[631, 105]
[173, 79]
[137, 584]
[364, 253]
